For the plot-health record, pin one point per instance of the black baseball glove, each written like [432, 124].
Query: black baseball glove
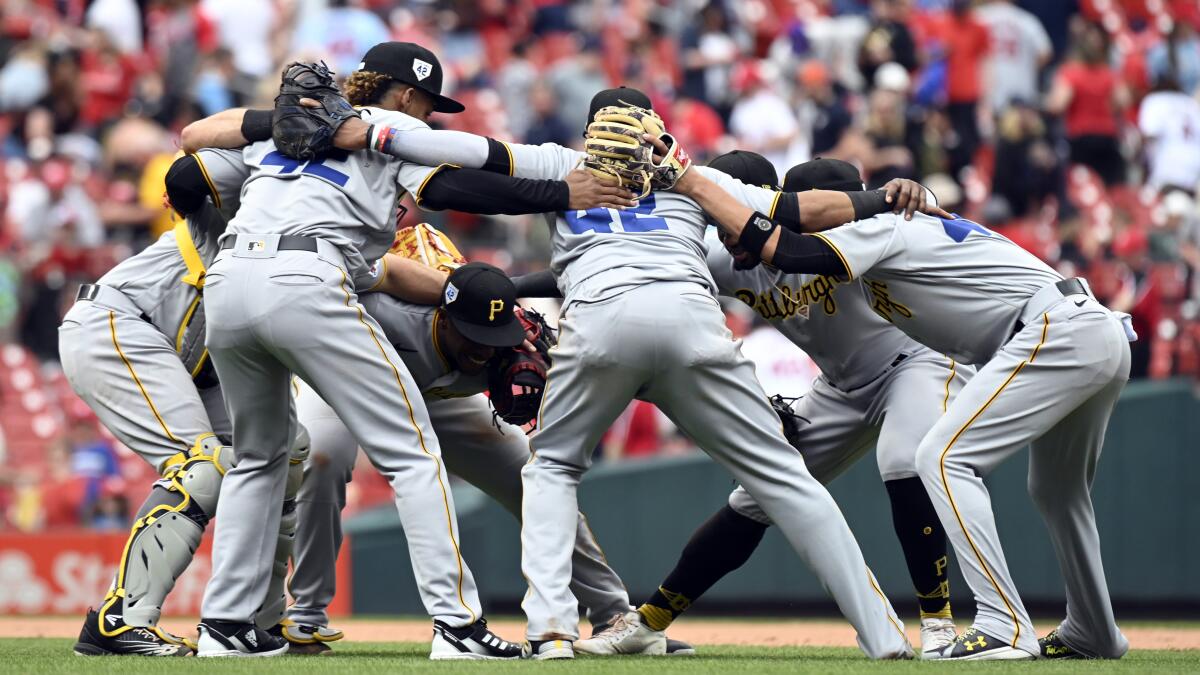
[791, 421]
[517, 376]
[302, 132]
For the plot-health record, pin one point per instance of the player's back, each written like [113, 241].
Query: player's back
[348, 198]
[601, 252]
[830, 320]
[951, 284]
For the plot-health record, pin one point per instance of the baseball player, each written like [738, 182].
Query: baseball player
[1053, 363]
[133, 349]
[877, 388]
[282, 300]
[634, 282]
[449, 369]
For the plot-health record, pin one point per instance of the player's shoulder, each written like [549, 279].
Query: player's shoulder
[392, 118]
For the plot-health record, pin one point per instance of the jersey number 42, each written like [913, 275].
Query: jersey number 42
[638, 219]
[315, 167]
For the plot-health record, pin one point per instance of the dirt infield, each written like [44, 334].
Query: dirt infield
[774, 633]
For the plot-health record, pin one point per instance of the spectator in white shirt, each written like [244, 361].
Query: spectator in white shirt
[763, 122]
[1169, 121]
[1020, 48]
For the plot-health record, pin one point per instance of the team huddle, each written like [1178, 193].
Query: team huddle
[284, 323]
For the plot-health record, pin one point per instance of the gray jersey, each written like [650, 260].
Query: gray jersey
[600, 253]
[829, 319]
[951, 284]
[412, 330]
[156, 280]
[351, 199]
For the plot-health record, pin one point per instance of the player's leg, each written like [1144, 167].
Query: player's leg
[598, 366]
[711, 392]
[249, 513]
[491, 458]
[319, 507]
[834, 437]
[271, 614]
[353, 367]
[129, 374]
[1029, 385]
[1062, 465]
[911, 399]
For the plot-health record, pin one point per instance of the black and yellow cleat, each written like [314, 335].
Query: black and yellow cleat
[1053, 647]
[301, 647]
[975, 645]
[122, 640]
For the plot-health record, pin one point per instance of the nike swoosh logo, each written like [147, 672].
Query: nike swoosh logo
[1079, 303]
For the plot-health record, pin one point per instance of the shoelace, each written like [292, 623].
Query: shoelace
[618, 628]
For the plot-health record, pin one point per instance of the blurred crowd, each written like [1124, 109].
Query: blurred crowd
[1071, 126]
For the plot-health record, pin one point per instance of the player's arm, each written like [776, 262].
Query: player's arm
[410, 280]
[537, 285]
[486, 192]
[434, 147]
[231, 128]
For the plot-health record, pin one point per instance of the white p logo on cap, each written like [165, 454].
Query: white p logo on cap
[421, 69]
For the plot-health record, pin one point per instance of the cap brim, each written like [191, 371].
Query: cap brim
[445, 104]
[508, 335]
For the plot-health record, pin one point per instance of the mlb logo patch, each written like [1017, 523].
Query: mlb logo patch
[256, 245]
[421, 69]
[451, 293]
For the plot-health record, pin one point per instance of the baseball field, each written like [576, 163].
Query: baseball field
[43, 645]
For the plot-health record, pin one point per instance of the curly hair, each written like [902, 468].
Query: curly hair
[366, 88]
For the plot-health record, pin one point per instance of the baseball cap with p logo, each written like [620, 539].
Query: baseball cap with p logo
[479, 299]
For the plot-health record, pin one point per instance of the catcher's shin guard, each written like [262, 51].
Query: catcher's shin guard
[274, 607]
[165, 535]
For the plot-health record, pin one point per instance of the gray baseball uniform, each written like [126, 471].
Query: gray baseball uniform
[877, 387]
[1055, 362]
[130, 349]
[635, 282]
[487, 456]
[276, 311]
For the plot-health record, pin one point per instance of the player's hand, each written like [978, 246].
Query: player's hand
[351, 135]
[908, 197]
[588, 191]
[685, 182]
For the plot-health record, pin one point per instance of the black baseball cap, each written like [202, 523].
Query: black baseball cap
[619, 96]
[749, 167]
[479, 299]
[823, 174]
[411, 64]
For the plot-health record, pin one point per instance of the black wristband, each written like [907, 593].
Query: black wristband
[256, 125]
[869, 203]
[755, 233]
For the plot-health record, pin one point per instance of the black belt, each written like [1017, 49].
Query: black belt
[1067, 287]
[90, 291]
[287, 242]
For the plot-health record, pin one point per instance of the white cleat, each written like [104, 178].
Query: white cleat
[625, 634]
[544, 650]
[936, 634]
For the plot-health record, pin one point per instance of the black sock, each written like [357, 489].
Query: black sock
[924, 542]
[721, 545]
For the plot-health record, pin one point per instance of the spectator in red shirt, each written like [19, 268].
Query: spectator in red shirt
[1089, 94]
[107, 79]
[967, 45]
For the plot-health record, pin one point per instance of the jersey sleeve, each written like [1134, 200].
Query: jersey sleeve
[548, 161]
[224, 171]
[760, 199]
[865, 244]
